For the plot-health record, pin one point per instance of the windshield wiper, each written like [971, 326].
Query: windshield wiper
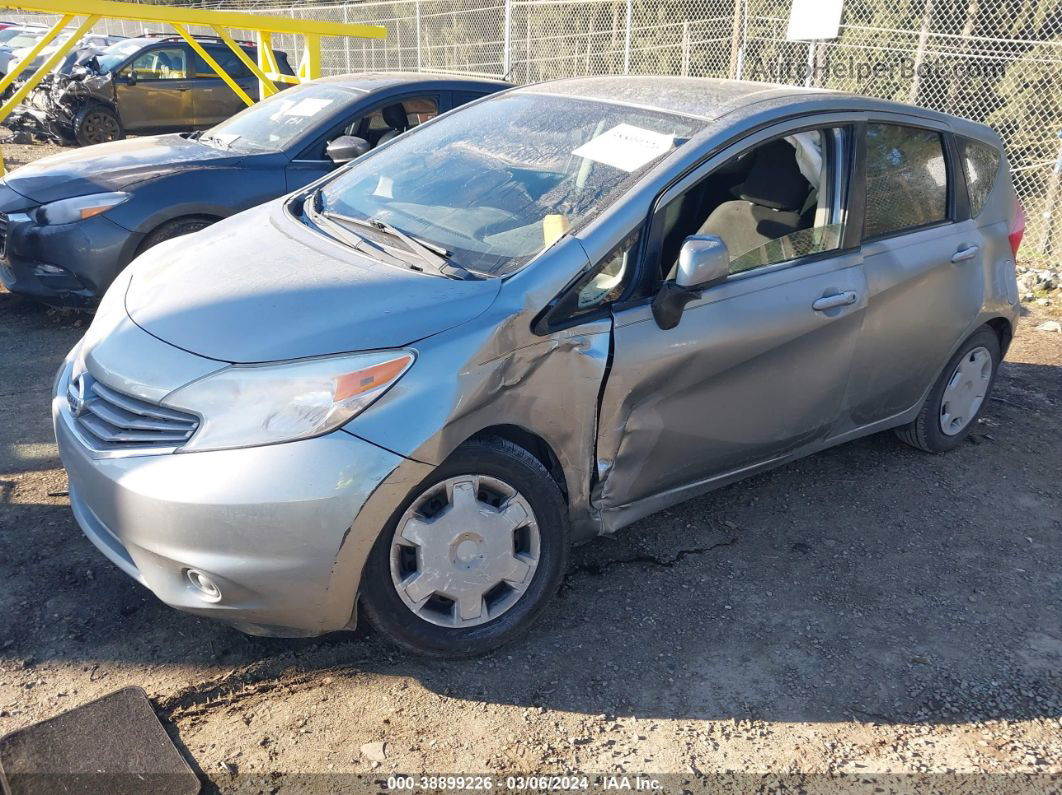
[339, 231]
[434, 256]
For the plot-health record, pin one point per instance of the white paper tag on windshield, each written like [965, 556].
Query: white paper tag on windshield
[626, 147]
[310, 106]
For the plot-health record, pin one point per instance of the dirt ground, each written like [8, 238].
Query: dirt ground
[869, 610]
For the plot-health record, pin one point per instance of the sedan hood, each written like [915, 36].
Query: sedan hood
[112, 166]
[261, 286]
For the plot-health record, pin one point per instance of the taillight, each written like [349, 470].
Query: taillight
[1017, 229]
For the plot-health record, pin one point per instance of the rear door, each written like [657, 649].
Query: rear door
[154, 90]
[923, 258]
[213, 100]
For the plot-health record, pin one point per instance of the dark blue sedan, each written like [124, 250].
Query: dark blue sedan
[69, 223]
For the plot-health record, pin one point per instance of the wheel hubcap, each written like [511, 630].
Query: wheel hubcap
[465, 551]
[965, 391]
[100, 128]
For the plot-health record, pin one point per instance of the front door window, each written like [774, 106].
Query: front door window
[160, 64]
[770, 204]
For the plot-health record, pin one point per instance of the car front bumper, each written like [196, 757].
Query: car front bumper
[273, 527]
[65, 264]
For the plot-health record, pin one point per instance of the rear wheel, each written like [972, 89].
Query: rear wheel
[958, 397]
[471, 559]
[96, 124]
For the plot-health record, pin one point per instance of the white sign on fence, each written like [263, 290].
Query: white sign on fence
[811, 20]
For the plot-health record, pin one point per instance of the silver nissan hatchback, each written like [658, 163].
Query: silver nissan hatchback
[414, 384]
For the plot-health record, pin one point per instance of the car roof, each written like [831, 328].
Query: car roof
[711, 98]
[374, 81]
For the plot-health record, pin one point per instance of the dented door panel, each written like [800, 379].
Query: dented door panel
[751, 373]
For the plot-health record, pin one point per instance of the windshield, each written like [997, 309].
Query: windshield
[274, 123]
[497, 182]
[10, 33]
[115, 55]
[23, 39]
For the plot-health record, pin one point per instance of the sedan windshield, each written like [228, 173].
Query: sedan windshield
[8, 34]
[497, 182]
[24, 39]
[282, 118]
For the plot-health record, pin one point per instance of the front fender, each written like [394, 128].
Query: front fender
[217, 192]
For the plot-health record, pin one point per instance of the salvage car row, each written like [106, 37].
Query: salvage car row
[408, 383]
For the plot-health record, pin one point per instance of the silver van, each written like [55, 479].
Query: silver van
[412, 385]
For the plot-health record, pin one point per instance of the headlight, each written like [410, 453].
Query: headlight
[249, 405]
[66, 211]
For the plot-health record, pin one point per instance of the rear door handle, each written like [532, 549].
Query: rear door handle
[964, 254]
[833, 301]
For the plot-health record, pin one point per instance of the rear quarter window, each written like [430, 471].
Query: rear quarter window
[907, 179]
[980, 165]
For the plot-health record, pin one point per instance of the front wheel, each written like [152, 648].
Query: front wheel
[958, 397]
[472, 557]
[96, 124]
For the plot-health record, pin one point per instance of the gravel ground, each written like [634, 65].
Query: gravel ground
[870, 610]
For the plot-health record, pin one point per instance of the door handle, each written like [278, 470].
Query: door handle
[964, 254]
[834, 301]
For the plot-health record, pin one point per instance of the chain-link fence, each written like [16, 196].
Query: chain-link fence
[996, 61]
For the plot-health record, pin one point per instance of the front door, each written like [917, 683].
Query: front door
[154, 91]
[758, 365]
[365, 121]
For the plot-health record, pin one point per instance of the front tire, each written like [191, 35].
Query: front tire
[97, 124]
[175, 228]
[472, 557]
[958, 397]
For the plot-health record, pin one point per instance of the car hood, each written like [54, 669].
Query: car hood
[113, 166]
[261, 286]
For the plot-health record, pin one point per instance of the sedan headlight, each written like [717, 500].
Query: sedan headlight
[250, 405]
[66, 211]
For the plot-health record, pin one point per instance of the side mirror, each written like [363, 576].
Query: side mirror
[703, 262]
[130, 76]
[346, 148]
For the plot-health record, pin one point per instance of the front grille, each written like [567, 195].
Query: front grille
[3, 235]
[112, 420]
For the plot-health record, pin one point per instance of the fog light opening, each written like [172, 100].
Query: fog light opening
[204, 587]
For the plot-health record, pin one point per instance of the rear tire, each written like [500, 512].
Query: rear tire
[971, 372]
[174, 228]
[436, 625]
[97, 124]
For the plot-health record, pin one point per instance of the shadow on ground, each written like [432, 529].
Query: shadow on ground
[869, 581]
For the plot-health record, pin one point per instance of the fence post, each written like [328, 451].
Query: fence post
[507, 40]
[417, 12]
[627, 39]
[737, 40]
[920, 53]
[346, 41]
[1047, 235]
[685, 48]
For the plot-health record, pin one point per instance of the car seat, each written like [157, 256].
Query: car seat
[395, 117]
[773, 202]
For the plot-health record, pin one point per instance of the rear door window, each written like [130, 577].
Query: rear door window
[980, 164]
[226, 59]
[906, 179]
[463, 97]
